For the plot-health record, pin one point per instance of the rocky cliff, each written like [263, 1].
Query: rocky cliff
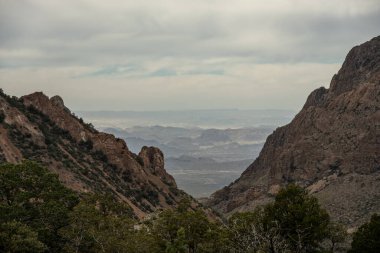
[40, 128]
[332, 147]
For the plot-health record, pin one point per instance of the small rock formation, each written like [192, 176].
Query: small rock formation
[332, 147]
[153, 159]
[57, 101]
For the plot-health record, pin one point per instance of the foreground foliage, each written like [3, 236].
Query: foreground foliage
[34, 202]
[298, 219]
[187, 230]
[294, 222]
[367, 238]
[39, 214]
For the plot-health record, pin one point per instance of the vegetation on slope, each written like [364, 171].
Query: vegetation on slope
[367, 238]
[79, 162]
[39, 214]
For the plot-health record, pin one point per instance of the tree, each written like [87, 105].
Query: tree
[39, 214]
[336, 234]
[2, 116]
[31, 195]
[99, 224]
[179, 243]
[186, 229]
[294, 222]
[18, 237]
[244, 232]
[249, 232]
[367, 238]
[301, 220]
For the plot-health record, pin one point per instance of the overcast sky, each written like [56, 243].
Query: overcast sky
[179, 54]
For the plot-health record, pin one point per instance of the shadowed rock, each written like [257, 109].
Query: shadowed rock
[331, 147]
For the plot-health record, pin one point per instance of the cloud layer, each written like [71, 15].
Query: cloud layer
[143, 55]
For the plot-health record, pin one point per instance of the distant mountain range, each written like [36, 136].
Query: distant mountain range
[225, 136]
[219, 119]
[201, 160]
[218, 144]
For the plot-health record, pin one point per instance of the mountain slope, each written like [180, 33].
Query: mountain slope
[332, 147]
[86, 160]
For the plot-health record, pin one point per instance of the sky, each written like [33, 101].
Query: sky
[179, 54]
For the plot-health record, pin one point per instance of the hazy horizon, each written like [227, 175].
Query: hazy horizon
[185, 110]
[218, 119]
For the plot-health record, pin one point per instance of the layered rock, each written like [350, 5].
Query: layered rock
[86, 160]
[332, 147]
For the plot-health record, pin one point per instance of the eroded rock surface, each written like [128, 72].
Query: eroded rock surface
[40, 128]
[333, 142]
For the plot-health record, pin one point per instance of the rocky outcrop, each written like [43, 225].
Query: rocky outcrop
[40, 128]
[332, 143]
[153, 159]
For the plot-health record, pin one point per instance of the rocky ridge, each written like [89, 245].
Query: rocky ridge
[332, 147]
[40, 128]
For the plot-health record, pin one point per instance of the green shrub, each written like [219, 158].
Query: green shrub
[2, 116]
[367, 238]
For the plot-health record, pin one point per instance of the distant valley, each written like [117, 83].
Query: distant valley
[200, 159]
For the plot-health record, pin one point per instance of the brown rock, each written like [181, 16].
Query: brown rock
[336, 133]
[153, 160]
[86, 160]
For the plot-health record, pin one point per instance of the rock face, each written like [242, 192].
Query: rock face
[42, 129]
[332, 147]
[153, 159]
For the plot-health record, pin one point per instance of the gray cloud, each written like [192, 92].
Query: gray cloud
[152, 43]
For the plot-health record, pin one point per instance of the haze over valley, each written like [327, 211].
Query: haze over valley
[204, 150]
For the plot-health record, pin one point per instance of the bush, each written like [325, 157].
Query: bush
[295, 222]
[302, 221]
[30, 194]
[367, 238]
[99, 155]
[88, 144]
[18, 237]
[2, 116]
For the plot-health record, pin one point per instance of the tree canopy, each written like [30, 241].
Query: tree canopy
[367, 238]
[32, 196]
[299, 217]
[39, 214]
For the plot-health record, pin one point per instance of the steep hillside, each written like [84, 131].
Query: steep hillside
[332, 147]
[86, 160]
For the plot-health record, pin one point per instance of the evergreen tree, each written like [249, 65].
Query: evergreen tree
[99, 224]
[300, 218]
[18, 237]
[337, 234]
[367, 238]
[185, 228]
[31, 195]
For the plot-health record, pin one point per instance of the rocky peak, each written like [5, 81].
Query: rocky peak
[153, 159]
[57, 101]
[55, 109]
[360, 66]
[38, 99]
[42, 129]
[316, 98]
[331, 147]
